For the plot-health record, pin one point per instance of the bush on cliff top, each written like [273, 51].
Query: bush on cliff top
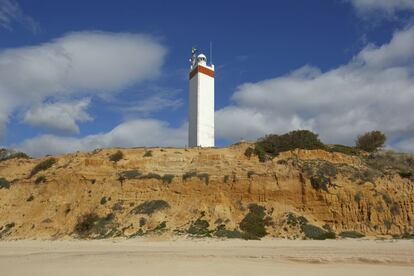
[371, 141]
[16, 155]
[271, 145]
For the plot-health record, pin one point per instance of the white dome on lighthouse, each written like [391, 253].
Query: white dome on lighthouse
[202, 59]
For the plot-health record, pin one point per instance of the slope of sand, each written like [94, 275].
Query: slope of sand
[207, 257]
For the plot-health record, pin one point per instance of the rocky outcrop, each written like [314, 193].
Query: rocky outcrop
[202, 189]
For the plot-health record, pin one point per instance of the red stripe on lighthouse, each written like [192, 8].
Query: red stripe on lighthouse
[201, 69]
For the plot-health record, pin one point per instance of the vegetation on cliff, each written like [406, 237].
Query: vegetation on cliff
[271, 145]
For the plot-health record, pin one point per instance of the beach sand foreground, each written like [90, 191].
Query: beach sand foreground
[207, 257]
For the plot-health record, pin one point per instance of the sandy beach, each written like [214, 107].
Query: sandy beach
[207, 257]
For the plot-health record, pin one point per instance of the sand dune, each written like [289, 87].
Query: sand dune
[207, 257]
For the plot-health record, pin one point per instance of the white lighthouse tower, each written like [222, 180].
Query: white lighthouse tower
[201, 102]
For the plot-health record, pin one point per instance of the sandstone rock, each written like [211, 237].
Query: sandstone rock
[221, 183]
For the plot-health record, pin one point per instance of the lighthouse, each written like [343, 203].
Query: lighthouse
[201, 102]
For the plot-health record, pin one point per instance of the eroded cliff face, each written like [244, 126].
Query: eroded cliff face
[83, 192]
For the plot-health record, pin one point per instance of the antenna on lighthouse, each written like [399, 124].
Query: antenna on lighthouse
[211, 52]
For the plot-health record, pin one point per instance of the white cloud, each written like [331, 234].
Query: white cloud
[77, 63]
[153, 104]
[134, 133]
[59, 116]
[154, 99]
[10, 12]
[375, 90]
[385, 8]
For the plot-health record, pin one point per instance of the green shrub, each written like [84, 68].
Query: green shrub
[42, 166]
[358, 197]
[151, 176]
[271, 145]
[30, 198]
[316, 233]
[139, 233]
[327, 227]
[253, 224]
[5, 230]
[160, 227]
[293, 220]
[406, 235]
[4, 184]
[116, 156]
[262, 154]
[362, 176]
[150, 207]
[40, 179]
[135, 174]
[131, 174]
[249, 152]
[189, 175]
[93, 226]
[371, 141]
[201, 176]
[117, 207]
[389, 161]
[408, 175]
[168, 178]
[86, 224]
[199, 228]
[319, 168]
[222, 232]
[104, 200]
[148, 153]
[320, 182]
[351, 234]
[226, 178]
[17, 155]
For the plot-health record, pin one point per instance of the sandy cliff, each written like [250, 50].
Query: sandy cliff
[175, 191]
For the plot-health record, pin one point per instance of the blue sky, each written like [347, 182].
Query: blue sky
[76, 75]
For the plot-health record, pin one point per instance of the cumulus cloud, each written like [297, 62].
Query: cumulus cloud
[375, 90]
[59, 116]
[10, 13]
[154, 99]
[154, 104]
[78, 63]
[138, 132]
[386, 8]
